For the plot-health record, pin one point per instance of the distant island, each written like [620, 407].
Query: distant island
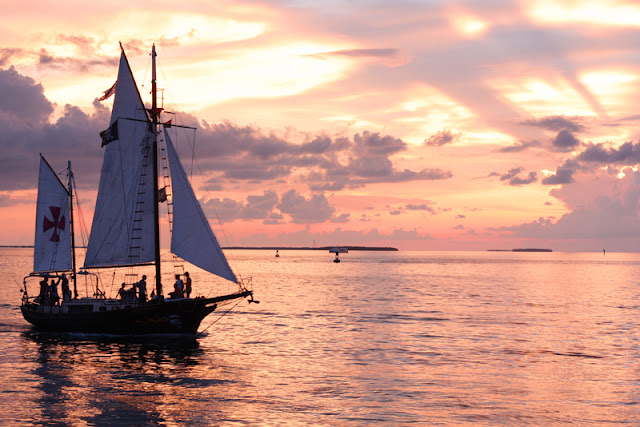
[307, 248]
[520, 250]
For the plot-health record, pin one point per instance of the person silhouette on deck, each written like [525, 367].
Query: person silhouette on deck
[187, 285]
[66, 292]
[53, 293]
[44, 291]
[122, 292]
[178, 288]
[142, 289]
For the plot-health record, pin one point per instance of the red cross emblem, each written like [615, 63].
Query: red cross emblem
[57, 223]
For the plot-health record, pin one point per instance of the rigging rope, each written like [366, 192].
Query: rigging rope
[195, 160]
[220, 317]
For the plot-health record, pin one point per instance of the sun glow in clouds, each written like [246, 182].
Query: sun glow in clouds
[186, 28]
[470, 26]
[623, 171]
[614, 89]
[426, 111]
[601, 13]
[259, 73]
[542, 98]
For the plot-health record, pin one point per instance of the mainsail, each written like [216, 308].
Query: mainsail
[52, 246]
[122, 228]
[192, 238]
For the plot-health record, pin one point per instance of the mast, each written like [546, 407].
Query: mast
[154, 149]
[73, 242]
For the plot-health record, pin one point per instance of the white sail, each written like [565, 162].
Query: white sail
[52, 246]
[192, 238]
[122, 228]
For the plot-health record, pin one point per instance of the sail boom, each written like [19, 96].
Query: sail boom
[42, 272]
[98, 266]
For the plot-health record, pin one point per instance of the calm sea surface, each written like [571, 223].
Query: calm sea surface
[391, 338]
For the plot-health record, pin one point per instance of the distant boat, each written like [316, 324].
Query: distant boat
[338, 250]
[125, 232]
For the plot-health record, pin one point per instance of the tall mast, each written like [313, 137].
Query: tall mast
[73, 241]
[154, 150]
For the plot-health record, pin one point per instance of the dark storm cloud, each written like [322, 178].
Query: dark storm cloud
[342, 219]
[556, 123]
[565, 141]
[227, 210]
[24, 115]
[512, 177]
[374, 144]
[441, 138]
[22, 99]
[46, 60]
[420, 207]
[225, 152]
[256, 171]
[291, 207]
[426, 207]
[627, 153]
[521, 146]
[328, 164]
[512, 173]
[305, 211]
[73, 137]
[517, 181]
[318, 145]
[563, 175]
[603, 218]
[260, 207]
[274, 218]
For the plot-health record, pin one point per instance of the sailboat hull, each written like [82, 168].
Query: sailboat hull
[107, 316]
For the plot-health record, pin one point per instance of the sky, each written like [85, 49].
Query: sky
[422, 125]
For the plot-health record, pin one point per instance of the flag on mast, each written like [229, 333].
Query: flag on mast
[107, 93]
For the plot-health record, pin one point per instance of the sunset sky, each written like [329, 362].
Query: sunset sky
[424, 124]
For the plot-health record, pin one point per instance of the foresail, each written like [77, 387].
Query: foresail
[52, 246]
[192, 238]
[122, 228]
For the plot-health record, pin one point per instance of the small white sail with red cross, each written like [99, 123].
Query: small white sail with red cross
[52, 245]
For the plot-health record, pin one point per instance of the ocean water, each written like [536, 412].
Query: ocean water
[386, 338]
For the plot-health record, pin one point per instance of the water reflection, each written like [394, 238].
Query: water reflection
[123, 380]
[403, 339]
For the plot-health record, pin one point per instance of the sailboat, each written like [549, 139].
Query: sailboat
[125, 232]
